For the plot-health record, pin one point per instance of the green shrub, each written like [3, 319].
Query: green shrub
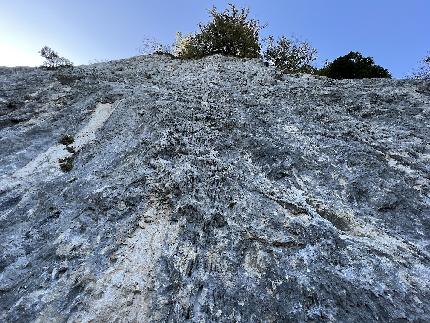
[70, 149]
[354, 66]
[53, 60]
[66, 164]
[230, 33]
[66, 140]
[290, 56]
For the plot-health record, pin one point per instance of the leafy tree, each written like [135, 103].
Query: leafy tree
[53, 60]
[290, 55]
[354, 66]
[230, 33]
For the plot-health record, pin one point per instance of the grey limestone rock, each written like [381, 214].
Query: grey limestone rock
[212, 190]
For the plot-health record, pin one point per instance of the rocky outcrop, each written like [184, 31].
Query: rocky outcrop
[153, 189]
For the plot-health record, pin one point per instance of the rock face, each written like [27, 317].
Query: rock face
[212, 190]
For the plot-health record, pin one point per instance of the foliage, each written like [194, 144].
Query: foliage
[66, 164]
[153, 46]
[290, 55]
[230, 33]
[424, 71]
[67, 140]
[53, 60]
[354, 66]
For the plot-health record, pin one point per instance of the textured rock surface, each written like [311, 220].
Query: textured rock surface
[212, 190]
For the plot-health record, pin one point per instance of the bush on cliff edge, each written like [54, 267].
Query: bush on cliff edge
[230, 33]
[354, 66]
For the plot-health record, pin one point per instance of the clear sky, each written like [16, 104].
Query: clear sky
[395, 32]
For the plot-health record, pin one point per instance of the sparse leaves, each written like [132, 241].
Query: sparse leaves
[424, 71]
[153, 46]
[53, 60]
[290, 55]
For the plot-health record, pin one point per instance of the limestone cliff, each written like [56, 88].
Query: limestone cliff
[159, 190]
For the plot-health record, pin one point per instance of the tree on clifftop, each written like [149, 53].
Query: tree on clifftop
[354, 66]
[53, 60]
[230, 33]
[290, 55]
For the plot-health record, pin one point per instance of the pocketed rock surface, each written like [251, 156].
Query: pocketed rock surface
[213, 190]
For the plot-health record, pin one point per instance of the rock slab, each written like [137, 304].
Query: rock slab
[213, 190]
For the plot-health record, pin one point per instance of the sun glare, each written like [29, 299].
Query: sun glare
[14, 56]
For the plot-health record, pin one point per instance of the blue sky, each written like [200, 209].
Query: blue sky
[394, 32]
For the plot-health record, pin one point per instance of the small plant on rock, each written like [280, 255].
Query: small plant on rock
[66, 164]
[71, 149]
[67, 140]
[53, 60]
